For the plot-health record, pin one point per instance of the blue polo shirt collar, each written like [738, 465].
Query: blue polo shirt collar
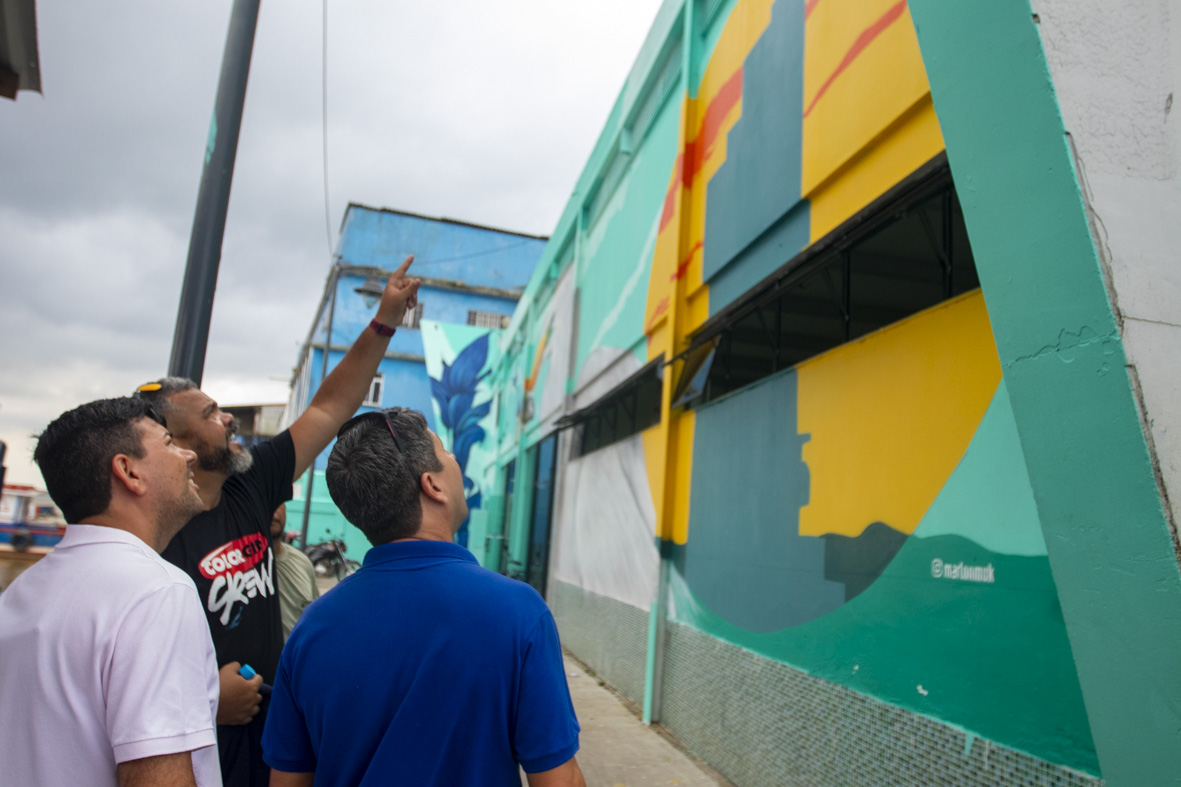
[415, 554]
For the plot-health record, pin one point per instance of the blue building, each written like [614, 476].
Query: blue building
[471, 276]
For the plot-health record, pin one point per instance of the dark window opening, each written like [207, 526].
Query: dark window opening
[628, 409]
[907, 253]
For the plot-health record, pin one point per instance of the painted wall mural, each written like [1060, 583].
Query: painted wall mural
[459, 360]
[864, 516]
[888, 538]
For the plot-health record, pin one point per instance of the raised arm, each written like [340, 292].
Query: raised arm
[345, 387]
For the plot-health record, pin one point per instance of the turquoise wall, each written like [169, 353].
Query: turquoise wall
[1076, 414]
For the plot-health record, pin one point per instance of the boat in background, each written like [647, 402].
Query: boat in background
[29, 522]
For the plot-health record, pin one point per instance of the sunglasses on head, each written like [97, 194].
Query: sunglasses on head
[374, 415]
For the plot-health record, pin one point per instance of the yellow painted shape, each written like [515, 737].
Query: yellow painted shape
[747, 22]
[664, 255]
[684, 428]
[678, 299]
[904, 147]
[891, 414]
[653, 439]
[881, 83]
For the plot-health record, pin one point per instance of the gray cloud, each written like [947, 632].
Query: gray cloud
[479, 111]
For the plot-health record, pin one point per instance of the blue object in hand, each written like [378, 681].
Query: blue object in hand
[248, 672]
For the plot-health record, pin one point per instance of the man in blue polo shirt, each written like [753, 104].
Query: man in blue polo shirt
[422, 668]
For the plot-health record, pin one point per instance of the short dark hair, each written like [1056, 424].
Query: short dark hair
[75, 452]
[374, 484]
[156, 393]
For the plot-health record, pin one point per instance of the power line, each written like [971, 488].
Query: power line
[428, 261]
[324, 135]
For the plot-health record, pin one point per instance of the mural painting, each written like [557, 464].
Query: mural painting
[864, 516]
[867, 519]
[458, 363]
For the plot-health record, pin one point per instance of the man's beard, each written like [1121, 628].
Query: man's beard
[224, 460]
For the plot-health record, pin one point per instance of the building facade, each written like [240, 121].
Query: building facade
[839, 419]
[472, 277]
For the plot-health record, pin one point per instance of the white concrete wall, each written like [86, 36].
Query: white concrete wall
[1117, 73]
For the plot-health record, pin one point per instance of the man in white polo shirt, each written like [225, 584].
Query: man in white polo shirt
[107, 671]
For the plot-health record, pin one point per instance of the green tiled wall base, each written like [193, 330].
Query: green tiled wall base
[607, 635]
[762, 723]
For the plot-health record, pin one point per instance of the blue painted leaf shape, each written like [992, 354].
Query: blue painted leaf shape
[439, 393]
[459, 404]
[464, 442]
[465, 373]
[473, 416]
[445, 379]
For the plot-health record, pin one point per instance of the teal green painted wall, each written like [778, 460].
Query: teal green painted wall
[1089, 468]
[989, 657]
[617, 251]
[518, 530]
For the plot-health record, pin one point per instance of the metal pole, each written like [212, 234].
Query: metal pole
[213, 197]
[334, 278]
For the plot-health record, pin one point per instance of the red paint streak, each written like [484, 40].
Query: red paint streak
[670, 199]
[689, 163]
[808, 8]
[661, 308]
[865, 39]
[683, 268]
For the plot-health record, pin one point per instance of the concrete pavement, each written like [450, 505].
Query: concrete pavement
[617, 750]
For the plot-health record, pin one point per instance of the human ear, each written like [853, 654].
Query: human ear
[124, 471]
[431, 489]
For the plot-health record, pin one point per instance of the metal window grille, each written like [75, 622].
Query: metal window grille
[709, 9]
[487, 319]
[909, 254]
[612, 174]
[667, 74]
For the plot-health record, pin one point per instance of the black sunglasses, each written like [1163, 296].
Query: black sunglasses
[372, 415]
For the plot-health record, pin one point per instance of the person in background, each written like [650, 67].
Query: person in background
[422, 667]
[226, 549]
[295, 574]
[107, 671]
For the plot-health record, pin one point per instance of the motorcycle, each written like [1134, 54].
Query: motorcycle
[328, 559]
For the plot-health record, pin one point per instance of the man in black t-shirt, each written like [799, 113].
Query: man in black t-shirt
[226, 548]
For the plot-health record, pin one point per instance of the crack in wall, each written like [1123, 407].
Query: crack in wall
[1069, 343]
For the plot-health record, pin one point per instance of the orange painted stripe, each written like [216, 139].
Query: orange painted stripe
[865, 39]
[531, 382]
[683, 268]
[689, 162]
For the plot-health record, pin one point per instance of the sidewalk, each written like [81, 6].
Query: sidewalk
[617, 750]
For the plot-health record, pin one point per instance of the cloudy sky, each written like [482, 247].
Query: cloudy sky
[479, 111]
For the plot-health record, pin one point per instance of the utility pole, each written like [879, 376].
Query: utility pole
[213, 197]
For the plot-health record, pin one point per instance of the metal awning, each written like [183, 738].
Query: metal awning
[20, 67]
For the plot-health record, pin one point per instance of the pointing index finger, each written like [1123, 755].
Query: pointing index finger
[405, 266]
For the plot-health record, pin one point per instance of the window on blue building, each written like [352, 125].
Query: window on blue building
[412, 317]
[487, 319]
[373, 398]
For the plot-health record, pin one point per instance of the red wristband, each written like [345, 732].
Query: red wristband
[382, 330]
